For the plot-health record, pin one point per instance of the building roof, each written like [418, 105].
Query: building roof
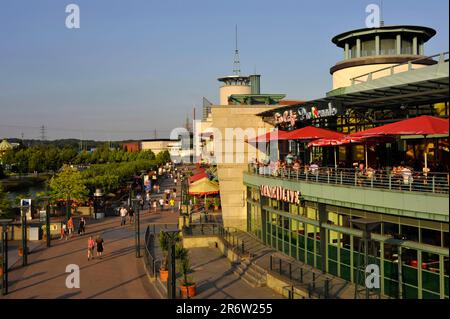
[426, 32]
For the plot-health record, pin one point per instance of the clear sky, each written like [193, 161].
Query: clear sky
[139, 65]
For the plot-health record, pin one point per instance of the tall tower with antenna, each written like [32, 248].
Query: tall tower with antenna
[43, 133]
[381, 14]
[237, 62]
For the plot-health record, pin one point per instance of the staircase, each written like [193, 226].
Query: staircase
[252, 274]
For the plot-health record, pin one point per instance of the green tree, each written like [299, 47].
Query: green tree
[5, 204]
[163, 157]
[68, 185]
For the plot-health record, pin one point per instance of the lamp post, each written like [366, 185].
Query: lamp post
[46, 200]
[25, 204]
[97, 201]
[4, 251]
[130, 187]
[171, 280]
[137, 227]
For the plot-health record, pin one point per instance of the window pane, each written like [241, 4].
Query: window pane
[387, 47]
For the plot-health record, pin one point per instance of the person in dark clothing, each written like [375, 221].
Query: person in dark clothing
[81, 226]
[100, 246]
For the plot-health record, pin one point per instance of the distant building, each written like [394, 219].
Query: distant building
[132, 147]
[156, 145]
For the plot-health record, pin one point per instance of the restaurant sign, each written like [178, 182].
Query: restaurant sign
[306, 112]
[280, 193]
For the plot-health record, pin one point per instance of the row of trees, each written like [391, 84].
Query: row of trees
[44, 158]
[72, 184]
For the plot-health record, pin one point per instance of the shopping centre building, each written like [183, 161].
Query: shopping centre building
[385, 77]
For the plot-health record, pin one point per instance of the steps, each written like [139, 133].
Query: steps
[252, 274]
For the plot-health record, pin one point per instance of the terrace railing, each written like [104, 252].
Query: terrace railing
[431, 182]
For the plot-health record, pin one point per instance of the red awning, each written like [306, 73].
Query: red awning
[421, 125]
[197, 177]
[313, 133]
[276, 135]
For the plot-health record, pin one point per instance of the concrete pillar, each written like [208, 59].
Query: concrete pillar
[399, 44]
[377, 45]
[323, 218]
[358, 48]
[414, 46]
[347, 52]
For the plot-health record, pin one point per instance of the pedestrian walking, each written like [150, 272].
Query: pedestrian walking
[161, 204]
[81, 226]
[131, 214]
[100, 246]
[123, 216]
[63, 231]
[91, 246]
[70, 226]
[166, 204]
[174, 193]
[172, 204]
[148, 199]
[155, 205]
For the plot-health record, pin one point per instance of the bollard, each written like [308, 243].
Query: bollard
[242, 247]
[270, 262]
[301, 275]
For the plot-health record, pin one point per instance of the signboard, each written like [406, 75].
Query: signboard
[306, 112]
[25, 202]
[280, 193]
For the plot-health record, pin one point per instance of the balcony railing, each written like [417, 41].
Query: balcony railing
[409, 181]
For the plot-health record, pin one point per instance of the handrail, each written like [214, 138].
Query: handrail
[441, 55]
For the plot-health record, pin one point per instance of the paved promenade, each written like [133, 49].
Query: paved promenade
[117, 275]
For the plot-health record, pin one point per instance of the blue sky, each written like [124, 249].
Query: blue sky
[139, 65]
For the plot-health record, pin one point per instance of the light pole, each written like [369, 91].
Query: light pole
[137, 226]
[24, 204]
[171, 280]
[4, 251]
[46, 200]
[97, 201]
[130, 186]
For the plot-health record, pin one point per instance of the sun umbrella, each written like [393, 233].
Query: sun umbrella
[204, 187]
[312, 133]
[276, 135]
[422, 125]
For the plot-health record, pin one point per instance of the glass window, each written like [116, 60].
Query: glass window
[353, 51]
[407, 46]
[388, 47]
[431, 237]
[368, 48]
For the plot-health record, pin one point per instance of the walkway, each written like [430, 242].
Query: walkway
[117, 275]
[216, 280]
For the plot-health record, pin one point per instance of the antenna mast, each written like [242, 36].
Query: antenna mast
[237, 63]
[381, 15]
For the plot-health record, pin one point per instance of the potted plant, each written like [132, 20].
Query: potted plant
[164, 244]
[188, 288]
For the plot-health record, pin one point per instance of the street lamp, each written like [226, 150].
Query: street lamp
[25, 204]
[130, 188]
[137, 227]
[171, 280]
[98, 195]
[4, 251]
[46, 200]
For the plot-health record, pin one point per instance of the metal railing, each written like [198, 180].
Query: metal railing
[369, 76]
[150, 260]
[408, 181]
[316, 284]
[227, 234]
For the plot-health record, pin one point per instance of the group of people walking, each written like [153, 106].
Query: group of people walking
[99, 242]
[68, 228]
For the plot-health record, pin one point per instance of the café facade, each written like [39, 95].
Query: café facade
[311, 218]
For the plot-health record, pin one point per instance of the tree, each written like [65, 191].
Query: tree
[5, 204]
[68, 185]
[163, 157]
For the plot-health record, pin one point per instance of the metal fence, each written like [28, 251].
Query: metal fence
[408, 181]
[151, 262]
[317, 285]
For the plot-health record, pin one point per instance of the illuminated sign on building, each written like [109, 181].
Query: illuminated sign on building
[305, 113]
[280, 193]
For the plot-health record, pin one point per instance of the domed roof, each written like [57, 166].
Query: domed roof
[5, 146]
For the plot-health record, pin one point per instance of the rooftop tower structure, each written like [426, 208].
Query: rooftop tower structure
[370, 49]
